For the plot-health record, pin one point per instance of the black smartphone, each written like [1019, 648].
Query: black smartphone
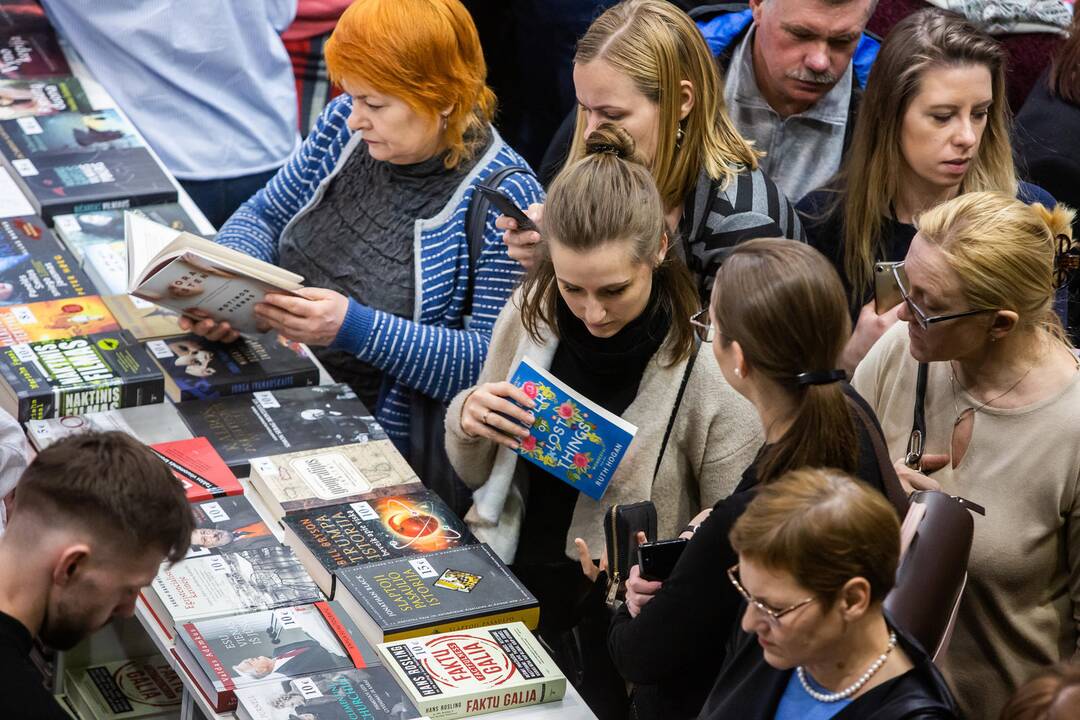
[507, 207]
[657, 559]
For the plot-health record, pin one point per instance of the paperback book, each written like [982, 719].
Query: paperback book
[198, 277]
[145, 688]
[34, 267]
[473, 672]
[227, 525]
[31, 54]
[573, 438]
[463, 587]
[203, 473]
[265, 423]
[144, 320]
[55, 320]
[81, 230]
[331, 475]
[370, 693]
[48, 379]
[156, 423]
[198, 369]
[269, 647]
[35, 98]
[106, 265]
[22, 16]
[364, 531]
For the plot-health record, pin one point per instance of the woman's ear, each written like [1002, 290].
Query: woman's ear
[854, 598]
[662, 252]
[740, 367]
[686, 98]
[1004, 322]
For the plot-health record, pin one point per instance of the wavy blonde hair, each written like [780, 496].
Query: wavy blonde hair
[1004, 252]
[658, 46]
[921, 42]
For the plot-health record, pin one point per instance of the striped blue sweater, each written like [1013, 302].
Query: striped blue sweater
[439, 351]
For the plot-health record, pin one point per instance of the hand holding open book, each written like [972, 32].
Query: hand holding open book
[198, 277]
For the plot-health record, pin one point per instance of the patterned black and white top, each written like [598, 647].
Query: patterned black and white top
[716, 217]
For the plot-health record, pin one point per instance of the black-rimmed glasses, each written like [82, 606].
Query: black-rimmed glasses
[772, 615]
[921, 318]
[702, 325]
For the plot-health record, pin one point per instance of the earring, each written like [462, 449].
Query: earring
[679, 135]
[738, 372]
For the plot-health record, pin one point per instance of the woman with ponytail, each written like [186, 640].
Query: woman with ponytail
[1001, 405]
[608, 311]
[778, 322]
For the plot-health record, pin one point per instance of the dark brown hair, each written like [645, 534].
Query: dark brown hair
[823, 527]
[1053, 694]
[112, 484]
[609, 195]
[1064, 76]
[783, 302]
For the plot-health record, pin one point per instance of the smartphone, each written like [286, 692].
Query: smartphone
[507, 207]
[886, 291]
[657, 559]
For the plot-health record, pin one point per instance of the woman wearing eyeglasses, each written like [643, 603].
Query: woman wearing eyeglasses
[778, 321]
[607, 311]
[1002, 428]
[817, 553]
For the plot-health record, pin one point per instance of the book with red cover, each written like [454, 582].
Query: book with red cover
[198, 466]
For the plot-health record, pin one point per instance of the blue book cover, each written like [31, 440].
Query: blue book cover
[574, 439]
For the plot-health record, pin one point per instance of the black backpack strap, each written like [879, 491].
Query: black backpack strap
[476, 222]
[917, 441]
[678, 401]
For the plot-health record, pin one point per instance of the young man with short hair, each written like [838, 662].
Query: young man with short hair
[94, 516]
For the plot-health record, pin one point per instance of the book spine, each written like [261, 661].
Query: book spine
[39, 405]
[486, 701]
[343, 636]
[300, 378]
[146, 390]
[106, 202]
[528, 616]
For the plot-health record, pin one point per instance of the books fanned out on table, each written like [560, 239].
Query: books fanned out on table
[55, 320]
[35, 98]
[463, 587]
[53, 378]
[81, 230]
[199, 468]
[145, 688]
[273, 422]
[156, 423]
[197, 369]
[77, 162]
[198, 277]
[573, 438]
[33, 265]
[472, 672]
[269, 647]
[331, 475]
[366, 531]
[369, 693]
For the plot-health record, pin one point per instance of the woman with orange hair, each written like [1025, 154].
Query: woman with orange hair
[372, 210]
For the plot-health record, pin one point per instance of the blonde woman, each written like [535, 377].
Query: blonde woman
[1002, 415]
[644, 66]
[933, 124]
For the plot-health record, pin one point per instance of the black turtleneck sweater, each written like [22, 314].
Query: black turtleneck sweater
[25, 697]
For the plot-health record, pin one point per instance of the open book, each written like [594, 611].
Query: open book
[197, 277]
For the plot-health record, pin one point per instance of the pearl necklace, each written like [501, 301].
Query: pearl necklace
[854, 687]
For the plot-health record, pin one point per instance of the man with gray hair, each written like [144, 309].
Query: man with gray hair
[794, 70]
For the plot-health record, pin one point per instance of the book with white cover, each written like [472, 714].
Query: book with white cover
[149, 423]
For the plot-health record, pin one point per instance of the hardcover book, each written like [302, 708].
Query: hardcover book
[226, 525]
[155, 423]
[331, 475]
[473, 672]
[201, 470]
[82, 230]
[144, 320]
[273, 646]
[370, 693]
[241, 427]
[218, 585]
[29, 54]
[145, 688]
[35, 98]
[55, 320]
[574, 439]
[365, 531]
[463, 587]
[34, 266]
[47, 379]
[198, 369]
[198, 277]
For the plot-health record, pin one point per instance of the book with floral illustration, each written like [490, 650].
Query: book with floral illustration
[573, 438]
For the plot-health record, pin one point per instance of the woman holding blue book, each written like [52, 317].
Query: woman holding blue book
[606, 312]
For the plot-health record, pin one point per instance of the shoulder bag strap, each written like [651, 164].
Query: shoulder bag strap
[476, 223]
[917, 441]
[678, 401]
[894, 491]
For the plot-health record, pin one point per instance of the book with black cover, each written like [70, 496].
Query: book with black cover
[35, 98]
[198, 369]
[31, 54]
[22, 16]
[369, 693]
[79, 231]
[269, 423]
[34, 266]
[460, 588]
[203, 473]
[80, 162]
[78, 375]
[272, 646]
[340, 536]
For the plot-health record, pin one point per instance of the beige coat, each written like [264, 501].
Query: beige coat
[715, 437]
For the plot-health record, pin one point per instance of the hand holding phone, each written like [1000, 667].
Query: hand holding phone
[657, 559]
[507, 207]
[886, 290]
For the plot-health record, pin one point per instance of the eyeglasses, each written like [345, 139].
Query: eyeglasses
[771, 616]
[921, 318]
[702, 325]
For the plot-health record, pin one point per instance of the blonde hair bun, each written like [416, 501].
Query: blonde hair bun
[610, 139]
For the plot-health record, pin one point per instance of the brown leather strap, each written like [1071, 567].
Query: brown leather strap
[894, 491]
